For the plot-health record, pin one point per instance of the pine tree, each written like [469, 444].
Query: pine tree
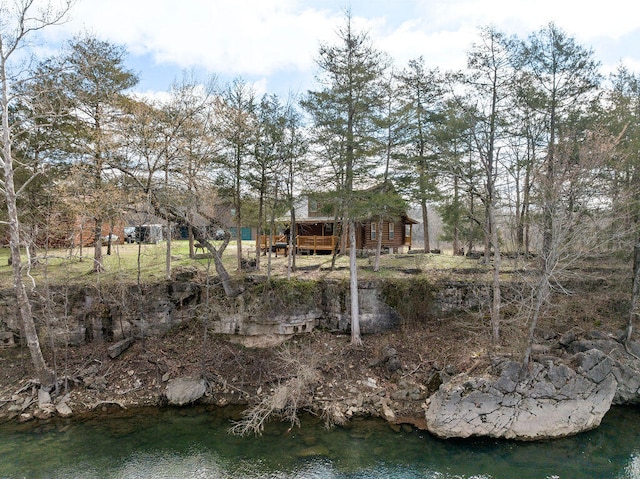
[345, 112]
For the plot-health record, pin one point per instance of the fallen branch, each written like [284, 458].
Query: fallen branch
[29, 384]
[284, 402]
[473, 367]
[410, 373]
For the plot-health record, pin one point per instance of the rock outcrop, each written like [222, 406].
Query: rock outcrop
[186, 390]
[548, 401]
[625, 359]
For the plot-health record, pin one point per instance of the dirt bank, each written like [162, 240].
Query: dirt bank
[401, 366]
[390, 375]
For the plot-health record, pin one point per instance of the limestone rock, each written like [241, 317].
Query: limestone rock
[118, 348]
[387, 412]
[44, 398]
[63, 409]
[626, 364]
[181, 391]
[549, 401]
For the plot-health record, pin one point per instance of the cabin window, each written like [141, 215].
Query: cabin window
[313, 205]
[373, 231]
[391, 231]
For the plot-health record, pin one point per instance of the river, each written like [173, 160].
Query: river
[194, 443]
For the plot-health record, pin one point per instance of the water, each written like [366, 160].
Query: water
[194, 443]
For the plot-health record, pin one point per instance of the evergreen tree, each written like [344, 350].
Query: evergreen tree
[95, 81]
[623, 121]
[422, 93]
[235, 127]
[344, 113]
[562, 74]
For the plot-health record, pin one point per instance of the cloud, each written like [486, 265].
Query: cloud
[413, 39]
[264, 40]
[581, 18]
[252, 37]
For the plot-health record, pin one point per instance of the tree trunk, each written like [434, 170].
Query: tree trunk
[541, 295]
[488, 226]
[261, 221]
[97, 246]
[425, 225]
[110, 241]
[192, 252]
[268, 241]
[223, 274]
[292, 240]
[339, 233]
[353, 286]
[44, 374]
[471, 224]
[32, 252]
[376, 264]
[239, 239]
[225, 279]
[634, 309]
[167, 268]
[199, 235]
[549, 185]
[456, 219]
[497, 297]
[237, 203]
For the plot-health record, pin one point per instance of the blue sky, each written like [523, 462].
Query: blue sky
[273, 43]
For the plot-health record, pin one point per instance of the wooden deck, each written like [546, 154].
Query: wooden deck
[304, 244]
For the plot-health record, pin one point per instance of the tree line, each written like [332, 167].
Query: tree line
[528, 149]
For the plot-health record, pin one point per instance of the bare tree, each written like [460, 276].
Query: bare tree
[579, 159]
[180, 131]
[489, 86]
[21, 19]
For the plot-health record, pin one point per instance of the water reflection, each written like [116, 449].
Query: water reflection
[194, 443]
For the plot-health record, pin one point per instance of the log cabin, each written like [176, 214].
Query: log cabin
[318, 232]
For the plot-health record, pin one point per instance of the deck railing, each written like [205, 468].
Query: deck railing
[311, 244]
[265, 240]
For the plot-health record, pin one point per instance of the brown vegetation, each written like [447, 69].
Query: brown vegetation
[321, 371]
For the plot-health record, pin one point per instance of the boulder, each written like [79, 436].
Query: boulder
[64, 410]
[626, 364]
[181, 391]
[547, 401]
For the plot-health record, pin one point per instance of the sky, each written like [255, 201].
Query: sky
[273, 44]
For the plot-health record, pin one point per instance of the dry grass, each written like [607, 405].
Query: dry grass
[60, 266]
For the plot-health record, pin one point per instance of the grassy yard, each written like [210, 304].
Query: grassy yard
[61, 267]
